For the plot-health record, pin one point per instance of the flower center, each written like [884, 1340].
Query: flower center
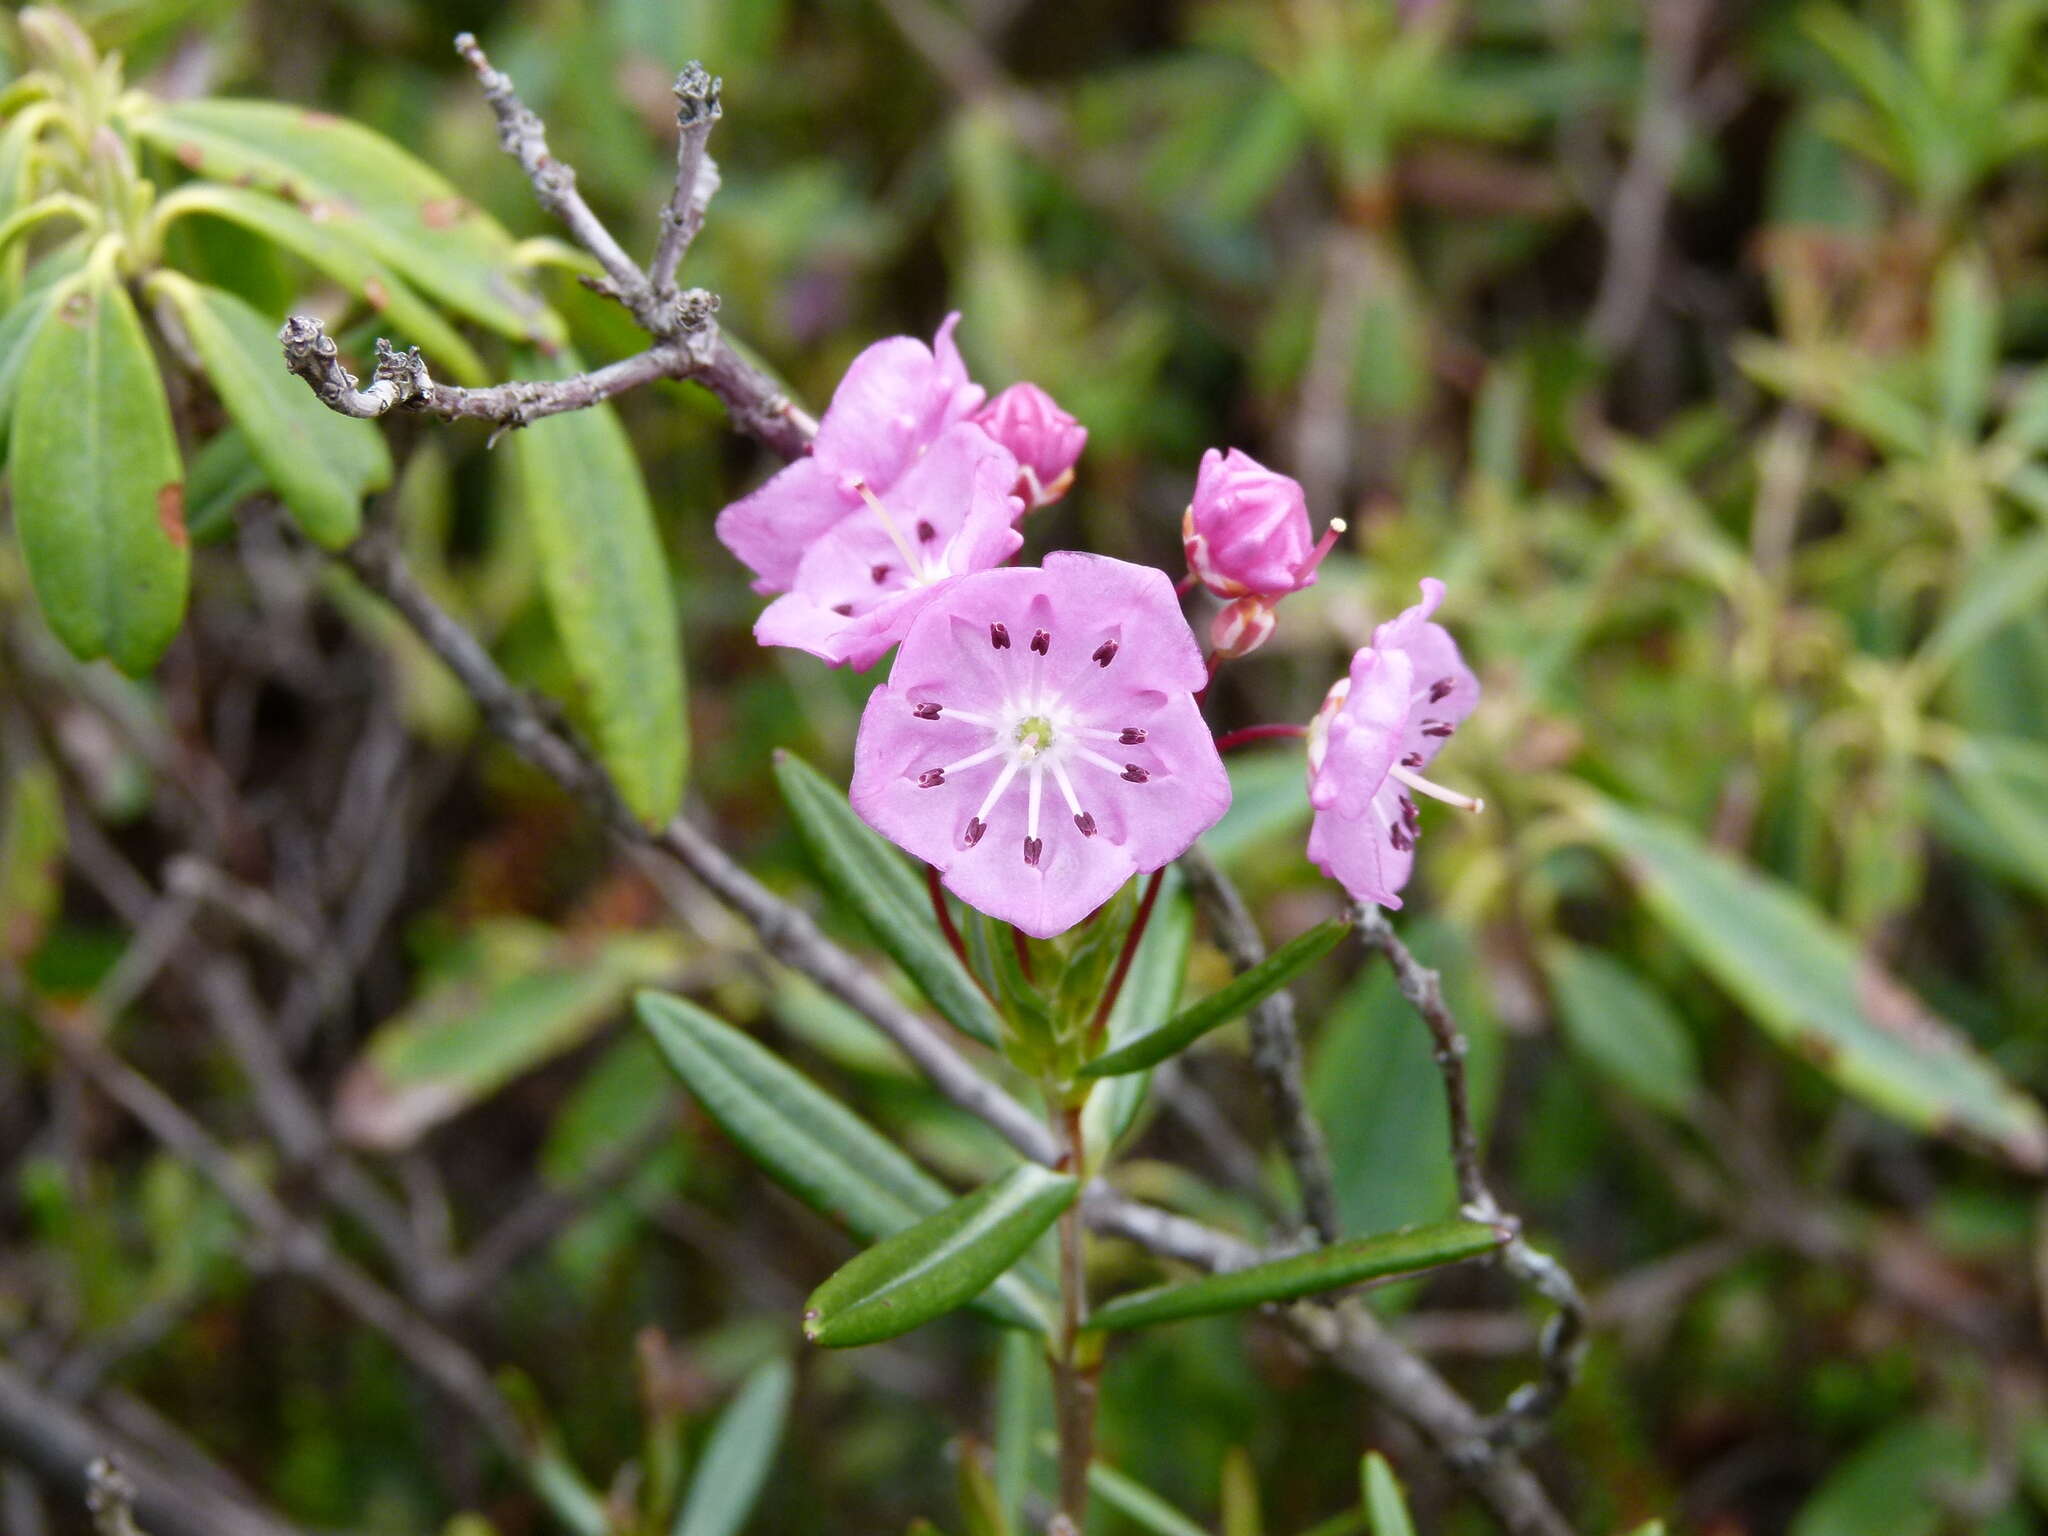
[1034, 735]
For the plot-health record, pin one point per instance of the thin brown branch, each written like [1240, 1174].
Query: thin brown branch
[697, 112]
[1276, 1048]
[1564, 1336]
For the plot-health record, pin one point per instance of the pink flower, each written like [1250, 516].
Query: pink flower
[1377, 730]
[1038, 741]
[895, 400]
[1247, 532]
[859, 585]
[1045, 439]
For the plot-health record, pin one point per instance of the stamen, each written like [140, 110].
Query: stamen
[1435, 791]
[1131, 735]
[1089, 756]
[1041, 642]
[1338, 527]
[1412, 760]
[878, 574]
[1059, 773]
[1032, 848]
[1033, 798]
[1400, 838]
[975, 827]
[1440, 728]
[925, 531]
[995, 790]
[1086, 823]
[1410, 816]
[844, 610]
[925, 711]
[1105, 653]
[973, 759]
[1135, 774]
[931, 778]
[1441, 689]
[889, 525]
[999, 636]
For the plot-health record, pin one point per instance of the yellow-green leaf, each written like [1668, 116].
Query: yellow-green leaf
[99, 495]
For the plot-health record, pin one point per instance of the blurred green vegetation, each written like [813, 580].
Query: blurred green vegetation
[1699, 348]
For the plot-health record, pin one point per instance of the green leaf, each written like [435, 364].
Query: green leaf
[1965, 343]
[1220, 1007]
[2005, 583]
[31, 858]
[1386, 1509]
[1240, 1495]
[1304, 1274]
[807, 1141]
[1622, 1027]
[2005, 781]
[1809, 987]
[99, 496]
[359, 185]
[871, 877]
[320, 464]
[1889, 1484]
[1138, 1504]
[517, 995]
[1151, 990]
[19, 328]
[1022, 1405]
[607, 583]
[218, 479]
[980, 1506]
[737, 1456]
[346, 261]
[941, 1263]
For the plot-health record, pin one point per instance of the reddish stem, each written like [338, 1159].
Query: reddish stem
[1245, 735]
[1023, 954]
[945, 916]
[1123, 961]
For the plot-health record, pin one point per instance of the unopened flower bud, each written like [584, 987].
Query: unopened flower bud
[1045, 439]
[1241, 628]
[1247, 531]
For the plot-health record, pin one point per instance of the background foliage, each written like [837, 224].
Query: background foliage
[1696, 347]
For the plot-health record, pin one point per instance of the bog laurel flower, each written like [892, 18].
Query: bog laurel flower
[1246, 530]
[1045, 439]
[858, 587]
[1377, 730]
[1038, 741]
[895, 400]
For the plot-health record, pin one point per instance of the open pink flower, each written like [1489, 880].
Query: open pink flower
[1045, 439]
[894, 401]
[1038, 741]
[1246, 530]
[860, 584]
[1376, 732]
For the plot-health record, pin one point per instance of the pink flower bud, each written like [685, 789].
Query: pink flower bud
[1247, 531]
[1045, 439]
[1241, 628]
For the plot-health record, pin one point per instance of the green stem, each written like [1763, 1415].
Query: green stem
[1074, 1381]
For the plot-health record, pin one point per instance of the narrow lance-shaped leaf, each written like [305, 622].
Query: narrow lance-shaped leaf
[1151, 991]
[1808, 985]
[1220, 1007]
[607, 582]
[415, 321]
[360, 185]
[808, 1142]
[321, 464]
[1386, 1509]
[2005, 782]
[1305, 1274]
[734, 1467]
[940, 1264]
[99, 497]
[869, 876]
[1623, 1028]
[2004, 583]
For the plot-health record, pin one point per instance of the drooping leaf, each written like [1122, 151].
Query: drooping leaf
[1303, 1274]
[1807, 985]
[1623, 1027]
[807, 1141]
[941, 1263]
[348, 262]
[607, 582]
[1151, 991]
[519, 995]
[99, 495]
[362, 186]
[1238, 998]
[738, 1455]
[321, 464]
[1386, 1508]
[870, 877]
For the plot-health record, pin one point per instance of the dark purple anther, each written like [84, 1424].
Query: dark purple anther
[1105, 653]
[1033, 846]
[1041, 642]
[844, 610]
[1086, 823]
[925, 711]
[1399, 838]
[1441, 689]
[1412, 760]
[931, 778]
[926, 532]
[999, 636]
[1135, 774]
[1132, 735]
[1437, 728]
[878, 574]
[975, 827]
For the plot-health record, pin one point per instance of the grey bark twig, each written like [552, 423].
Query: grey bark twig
[698, 110]
[1276, 1048]
[1563, 1343]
